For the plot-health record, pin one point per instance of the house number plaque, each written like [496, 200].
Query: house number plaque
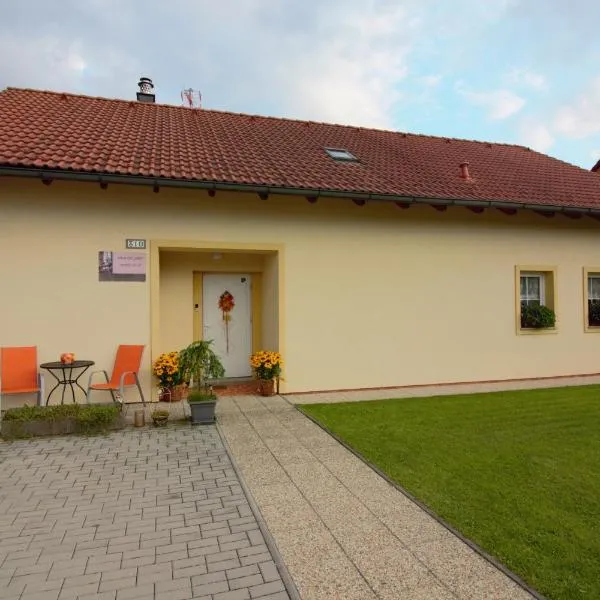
[135, 244]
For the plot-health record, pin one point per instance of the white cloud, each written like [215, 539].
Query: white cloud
[57, 61]
[536, 135]
[582, 118]
[431, 80]
[500, 104]
[526, 77]
[349, 71]
[339, 61]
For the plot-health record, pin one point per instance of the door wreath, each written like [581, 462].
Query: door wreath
[226, 304]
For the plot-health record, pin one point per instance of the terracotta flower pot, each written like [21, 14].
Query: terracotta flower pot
[165, 395]
[266, 387]
[179, 392]
[173, 394]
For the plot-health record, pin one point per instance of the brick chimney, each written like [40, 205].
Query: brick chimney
[146, 93]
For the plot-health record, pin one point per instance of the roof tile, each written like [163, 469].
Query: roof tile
[82, 133]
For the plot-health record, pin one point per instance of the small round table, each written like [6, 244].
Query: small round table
[66, 374]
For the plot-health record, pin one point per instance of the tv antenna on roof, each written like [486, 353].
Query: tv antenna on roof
[191, 98]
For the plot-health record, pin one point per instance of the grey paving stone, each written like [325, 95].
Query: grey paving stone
[73, 593]
[170, 548]
[243, 571]
[70, 568]
[172, 556]
[269, 571]
[209, 578]
[182, 594]
[31, 569]
[210, 588]
[46, 595]
[81, 580]
[102, 596]
[138, 514]
[152, 573]
[43, 586]
[266, 588]
[261, 549]
[183, 583]
[107, 585]
[144, 591]
[245, 582]
[117, 574]
[243, 543]
[255, 537]
[220, 556]
[241, 594]
[94, 567]
[190, 571]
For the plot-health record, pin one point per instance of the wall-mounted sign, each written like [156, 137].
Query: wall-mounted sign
[135, 244]
[121, 266]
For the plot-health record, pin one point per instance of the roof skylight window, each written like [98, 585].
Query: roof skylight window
[340, 154]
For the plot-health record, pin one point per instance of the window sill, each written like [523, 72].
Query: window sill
[591, 328]
[533, 331]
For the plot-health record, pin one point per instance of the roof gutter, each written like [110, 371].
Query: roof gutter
[103, 179]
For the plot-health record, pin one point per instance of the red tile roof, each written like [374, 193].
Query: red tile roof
[59, 131]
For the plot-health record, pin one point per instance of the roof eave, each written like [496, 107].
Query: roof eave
[104, 178]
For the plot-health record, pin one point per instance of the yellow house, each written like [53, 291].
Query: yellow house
[368, 258]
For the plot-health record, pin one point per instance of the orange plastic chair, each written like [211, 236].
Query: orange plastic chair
[125, 374]
[19, 372]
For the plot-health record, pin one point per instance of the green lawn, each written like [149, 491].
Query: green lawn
[516, 472]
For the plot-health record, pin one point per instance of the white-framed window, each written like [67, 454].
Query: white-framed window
[533, 289]
[535, 286]
[594, 287]
[593, 299]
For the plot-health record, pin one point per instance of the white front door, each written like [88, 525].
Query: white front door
[227, 319]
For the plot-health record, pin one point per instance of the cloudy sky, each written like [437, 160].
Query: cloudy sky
[517, 71]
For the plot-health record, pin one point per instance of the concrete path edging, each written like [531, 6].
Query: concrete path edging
[343, 530]
[493, 561]
[288, 582]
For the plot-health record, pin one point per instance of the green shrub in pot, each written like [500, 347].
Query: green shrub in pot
[202, 405]
[198, 363]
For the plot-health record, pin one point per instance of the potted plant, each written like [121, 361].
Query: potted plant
[267, 367]
[160, 417]
[537, 316]
[199, 364]
[167, 370]
[203, 402]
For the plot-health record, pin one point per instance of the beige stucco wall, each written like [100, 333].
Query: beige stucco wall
[371, 296]
[270, 302]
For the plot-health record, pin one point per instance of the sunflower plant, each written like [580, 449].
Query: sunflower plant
[266, 365]
[166, 369]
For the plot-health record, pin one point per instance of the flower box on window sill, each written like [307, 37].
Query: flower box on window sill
[538, 331]
[537, 317]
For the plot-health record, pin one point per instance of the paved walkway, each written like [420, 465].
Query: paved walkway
[343, 531]
[144, 513]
